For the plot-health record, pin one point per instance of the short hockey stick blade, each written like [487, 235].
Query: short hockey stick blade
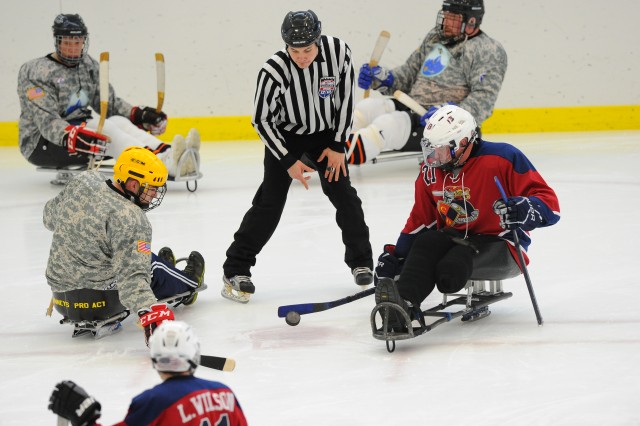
[217, 363]
[309, 308]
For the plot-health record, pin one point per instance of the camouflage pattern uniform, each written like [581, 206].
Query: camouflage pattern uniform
[101, 241]
[468, 74]
[53, 95]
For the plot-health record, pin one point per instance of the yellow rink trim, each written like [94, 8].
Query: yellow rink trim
[513, 120]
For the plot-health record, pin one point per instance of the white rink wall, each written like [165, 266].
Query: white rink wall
[568, 53]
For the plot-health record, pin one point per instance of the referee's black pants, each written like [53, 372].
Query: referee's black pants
[263, 217]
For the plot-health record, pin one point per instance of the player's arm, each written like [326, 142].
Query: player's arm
[487, 65]
[38, 100]
[266, 109]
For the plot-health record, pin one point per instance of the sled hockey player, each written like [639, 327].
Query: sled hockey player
[302, 108]
[57, 127]
[181, 398]
[459, 222]
[100, 265]
[457, 63]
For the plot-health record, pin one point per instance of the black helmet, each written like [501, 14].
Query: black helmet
[467, 8]
[69, 25]
[301, 29]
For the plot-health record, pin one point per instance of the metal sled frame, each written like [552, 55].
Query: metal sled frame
[385, 156]
[479, 295]
[93, 327]
[65, 174]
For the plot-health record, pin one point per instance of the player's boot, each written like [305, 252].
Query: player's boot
[178, 147]
[166, 254]
[387, 291]
[195, 271]
[238, 288]
[190, 164]
[362, 275]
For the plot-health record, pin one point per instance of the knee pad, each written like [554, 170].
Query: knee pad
[364, 144]
[454, 269]
[395, 129]
[368, 109]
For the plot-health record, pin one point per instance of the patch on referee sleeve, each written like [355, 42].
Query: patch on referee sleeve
[144, 247]
[327, 87]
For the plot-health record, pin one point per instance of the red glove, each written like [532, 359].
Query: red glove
[152, 319]
[80, 139]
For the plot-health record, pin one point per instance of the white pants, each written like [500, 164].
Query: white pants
[123, 133]
[379, 127]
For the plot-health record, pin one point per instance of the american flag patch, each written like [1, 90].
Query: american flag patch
[35, 93]
[144, 247]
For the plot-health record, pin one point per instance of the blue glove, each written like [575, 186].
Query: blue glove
[431, 111]
[519, 212]
[389, 266]
[382, 76]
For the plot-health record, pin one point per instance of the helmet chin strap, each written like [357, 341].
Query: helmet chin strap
[133, 197]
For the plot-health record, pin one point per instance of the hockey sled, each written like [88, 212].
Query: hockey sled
[385, 156]
[92, 312]
[491, 266]
[65, 174]
[475, 305]
[186, 298]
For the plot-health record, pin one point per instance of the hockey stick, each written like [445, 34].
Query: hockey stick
[408, 101]
[309, 308]
[104, 98]
[381, 44]
[217, 363]
[523, 267]
[160, 80]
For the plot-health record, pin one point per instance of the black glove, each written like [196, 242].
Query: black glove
[389, 266]
[70, 401]
[80, 139]
[149, 119]
[518, 212]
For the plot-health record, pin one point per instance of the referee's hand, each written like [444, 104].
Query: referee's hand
[296, 172]
[335, 164]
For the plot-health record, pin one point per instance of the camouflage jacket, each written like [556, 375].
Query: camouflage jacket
[101, 241]
[53, 95]
[468, 74]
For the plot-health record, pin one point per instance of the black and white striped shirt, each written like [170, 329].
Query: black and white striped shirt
[305, 101]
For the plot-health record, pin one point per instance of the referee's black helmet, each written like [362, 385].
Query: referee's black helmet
[300, 29]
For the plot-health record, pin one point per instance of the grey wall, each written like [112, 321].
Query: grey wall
[561, 53]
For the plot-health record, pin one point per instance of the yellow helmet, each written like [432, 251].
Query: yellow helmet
[144, 166]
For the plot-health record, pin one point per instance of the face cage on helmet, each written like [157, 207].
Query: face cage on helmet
[445, 156]
[440, 26]
[155, 201]
[68, 60]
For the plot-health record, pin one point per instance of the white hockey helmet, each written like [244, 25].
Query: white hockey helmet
[174, 348]
[449, 137]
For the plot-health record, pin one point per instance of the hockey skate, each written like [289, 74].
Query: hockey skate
[362, 276]
[238, 288]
